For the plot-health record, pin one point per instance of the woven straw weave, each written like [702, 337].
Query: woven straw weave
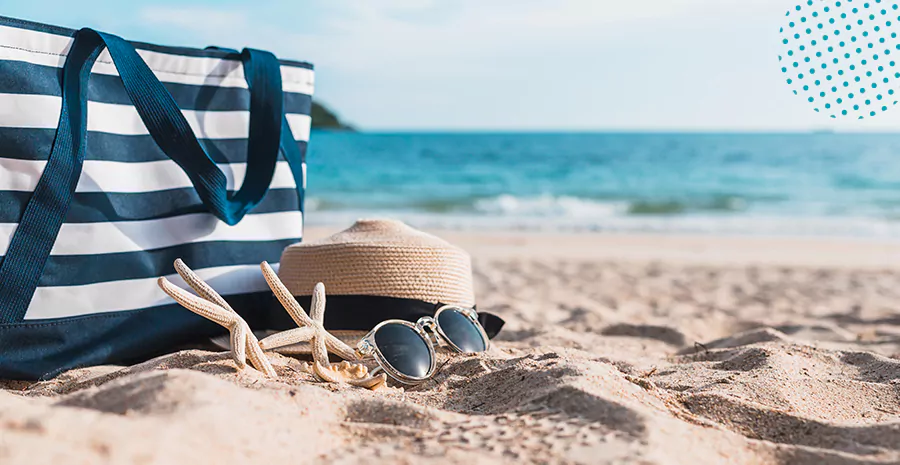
[381, 258]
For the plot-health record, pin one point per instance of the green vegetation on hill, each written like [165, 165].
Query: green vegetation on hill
[323, 118]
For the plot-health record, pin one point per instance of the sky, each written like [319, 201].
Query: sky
[500, 65]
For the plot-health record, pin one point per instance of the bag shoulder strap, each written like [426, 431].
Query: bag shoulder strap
[289, 150]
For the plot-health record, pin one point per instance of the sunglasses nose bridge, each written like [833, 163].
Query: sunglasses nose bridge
[426, 322]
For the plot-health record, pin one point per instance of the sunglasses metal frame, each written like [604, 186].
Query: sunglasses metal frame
[432, 324]
[367, 347]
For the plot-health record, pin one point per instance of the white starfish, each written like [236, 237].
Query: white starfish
[213, 307]
[311, 329]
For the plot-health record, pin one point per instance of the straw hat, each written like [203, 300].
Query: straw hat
[384, 258]
[374, 271]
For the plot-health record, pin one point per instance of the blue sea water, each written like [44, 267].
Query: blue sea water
[770, 184]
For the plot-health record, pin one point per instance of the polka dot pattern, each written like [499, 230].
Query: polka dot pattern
[843, 56]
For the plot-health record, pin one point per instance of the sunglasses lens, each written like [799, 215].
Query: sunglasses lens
[461, 331]
[404, 349]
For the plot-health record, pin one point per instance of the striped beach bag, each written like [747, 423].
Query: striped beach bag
[116, 158]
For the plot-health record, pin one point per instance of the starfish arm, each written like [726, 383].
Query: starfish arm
[258, 357]
[286, 338]
[319, 349]
[284, 296]
[325, 373]
[197, 305]
[372, 383]
[239, 344]
[352, 370]
[317, 313]
[337, 347]
[350, 374]
[200, 286]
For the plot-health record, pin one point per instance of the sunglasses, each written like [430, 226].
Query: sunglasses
[405, 351]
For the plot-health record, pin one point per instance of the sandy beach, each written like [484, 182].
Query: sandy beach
[618, 349]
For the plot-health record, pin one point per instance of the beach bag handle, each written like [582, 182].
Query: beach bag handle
[30, 246]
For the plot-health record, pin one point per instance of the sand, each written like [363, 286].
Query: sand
[618, 349]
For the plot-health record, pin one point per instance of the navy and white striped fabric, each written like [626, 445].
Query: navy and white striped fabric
[135, 210]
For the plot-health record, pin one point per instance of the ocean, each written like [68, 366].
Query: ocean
[735, 184]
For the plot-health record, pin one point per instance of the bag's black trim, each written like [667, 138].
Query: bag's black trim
[42, 349]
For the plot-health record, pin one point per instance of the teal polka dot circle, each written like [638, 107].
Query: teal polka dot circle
[843, 56]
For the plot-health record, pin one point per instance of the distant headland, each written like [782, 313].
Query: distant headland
[323, 118]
